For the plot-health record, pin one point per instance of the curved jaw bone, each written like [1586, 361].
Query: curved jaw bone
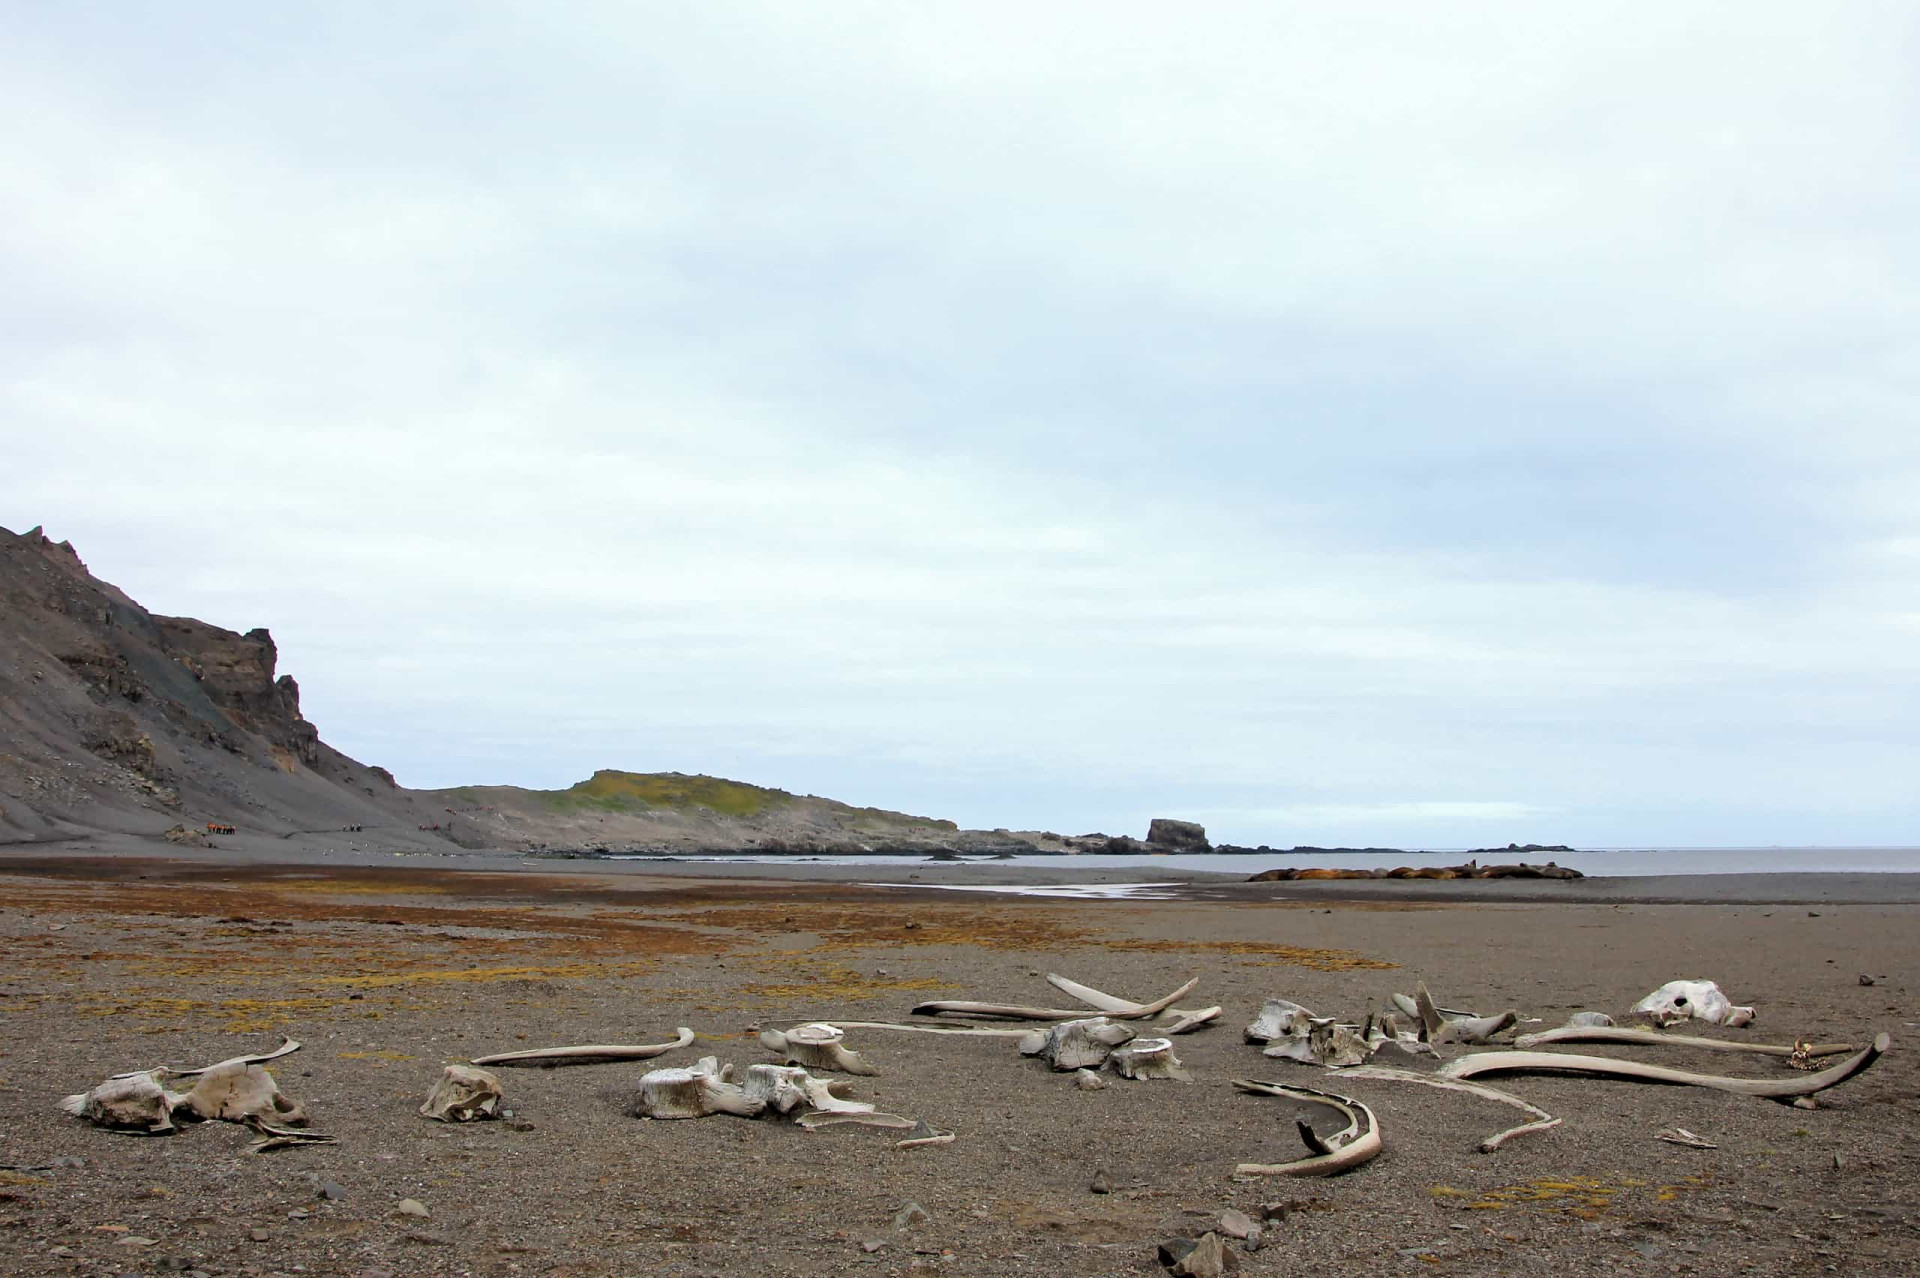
[1327, 1156]
[816, 1046]
[1691, 1000]
[463, 1094]
[1177, 1021]
[1607, 1067]
[1620, 1034]
[1118, 1008]
[589, 1054]
[1542, 1120]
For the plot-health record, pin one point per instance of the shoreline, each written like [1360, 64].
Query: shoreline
[294, 855]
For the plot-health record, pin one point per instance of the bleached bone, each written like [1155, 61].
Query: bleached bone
[1278, 1019]
[1384, 1037]
[812, 1102]
[1699, 1000]
[786, 1088]
[1621, 1034]
[1322, 1041]
[463, 1094]
[235, 1091]
[1145, 1058]
[1012, 1012]
[814, 1120]
[1543, 1121]
[1605, 1067]
[1440, 1027]
[1328, 1156]
[132, 1103]
[591, 1054]
[1588, 1020]
[692, 1092]
[951, 1031]
[1081, 1044]
[781, 1088]
[272, 1138]
[924, 1133]
[1124, 1009]
[1411, 1007]
[1176, 1021]
[287, 1047]
[816, 1046]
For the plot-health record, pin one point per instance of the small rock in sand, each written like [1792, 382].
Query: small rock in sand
[1235, 1224]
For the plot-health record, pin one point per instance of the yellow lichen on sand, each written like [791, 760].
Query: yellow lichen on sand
[1265, 954]
[1585, 1197]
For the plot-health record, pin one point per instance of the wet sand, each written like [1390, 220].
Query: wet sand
[387, 967]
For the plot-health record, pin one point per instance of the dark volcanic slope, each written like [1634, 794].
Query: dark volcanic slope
[112, 718]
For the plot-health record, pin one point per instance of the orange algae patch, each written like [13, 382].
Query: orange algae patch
[837, 984]
[839, 927]
[481, 975]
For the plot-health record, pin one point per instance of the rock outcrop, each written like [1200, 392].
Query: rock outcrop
[1181, 836]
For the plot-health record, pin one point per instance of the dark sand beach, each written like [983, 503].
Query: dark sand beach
[388, 967]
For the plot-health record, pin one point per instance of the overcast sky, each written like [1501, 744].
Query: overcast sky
[1431, 425]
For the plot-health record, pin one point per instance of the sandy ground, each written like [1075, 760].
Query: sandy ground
[388, 968]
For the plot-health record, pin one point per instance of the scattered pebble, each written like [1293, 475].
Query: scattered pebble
[1088, 1081]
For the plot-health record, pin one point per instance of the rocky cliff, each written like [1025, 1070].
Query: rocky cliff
[115, 719]
[112, 718]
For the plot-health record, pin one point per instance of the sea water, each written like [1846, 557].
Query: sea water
[1603, 862]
